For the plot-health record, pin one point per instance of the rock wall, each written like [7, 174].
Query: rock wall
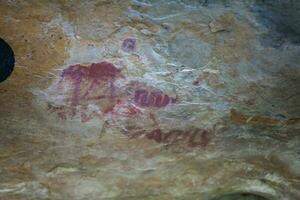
[152, 99]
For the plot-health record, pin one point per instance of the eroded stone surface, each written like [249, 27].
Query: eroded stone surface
[147, 100]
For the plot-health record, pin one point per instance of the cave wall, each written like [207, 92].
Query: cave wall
[153, 99]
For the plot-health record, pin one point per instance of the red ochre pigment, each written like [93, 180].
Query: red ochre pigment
[195, 137]
[94, 83]
[99, 71]
[157, 99]
[125, 109]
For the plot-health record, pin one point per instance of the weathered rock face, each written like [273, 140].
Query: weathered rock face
[151, 99]
[283, 17]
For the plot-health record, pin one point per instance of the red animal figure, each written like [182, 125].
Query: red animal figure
[157, 99]
[94, 83]
[194, 137]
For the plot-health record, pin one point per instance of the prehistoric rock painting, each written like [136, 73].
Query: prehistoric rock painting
[192, 137]
[84, 86]
[146, 98]
[142, 99]
[125, 109]
[90, 92]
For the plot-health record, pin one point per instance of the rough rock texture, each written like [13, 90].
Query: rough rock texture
[153, 99]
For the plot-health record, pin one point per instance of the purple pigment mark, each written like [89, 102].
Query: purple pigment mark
[157, 99]
[129, 44]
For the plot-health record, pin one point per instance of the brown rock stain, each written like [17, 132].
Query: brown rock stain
[240, 119]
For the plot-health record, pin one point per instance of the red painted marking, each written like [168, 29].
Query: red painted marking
[125, 109]
[62, 115]
[104, 70]
[194, 137]
[157, 99]
[98, 71]
[59, 110]
[94, 83]
[132, 111]
[87, 117]
[155, 135]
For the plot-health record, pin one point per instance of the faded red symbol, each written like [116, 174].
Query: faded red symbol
[146, 98]
[143, 100]
[92, 84]
[125, 109]
[193, 137]
[61, 114]
[129, 44]
[95, 85]
[91, 92]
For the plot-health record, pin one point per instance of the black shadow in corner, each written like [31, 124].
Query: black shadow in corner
[7, 60]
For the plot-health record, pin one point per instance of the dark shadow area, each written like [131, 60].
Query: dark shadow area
[240, 196]
[7, 60]
[281, 16]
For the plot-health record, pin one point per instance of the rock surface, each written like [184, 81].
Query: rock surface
[150, 99]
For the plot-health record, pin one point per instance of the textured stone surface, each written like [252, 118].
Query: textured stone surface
[149, 100]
